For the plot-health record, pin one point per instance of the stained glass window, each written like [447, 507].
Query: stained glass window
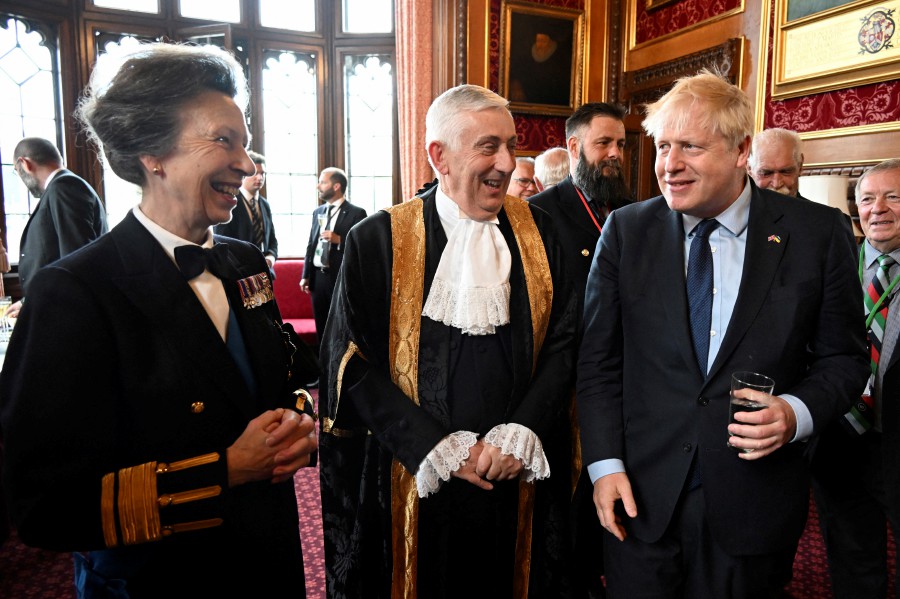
[150, 6]
[290, 122]
[368, 16]
[120, 195]
[220, 11]
[369, 130]
[296, 15]
[30, 94]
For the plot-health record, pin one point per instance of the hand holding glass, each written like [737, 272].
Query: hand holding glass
[5, 326]
[740, 403]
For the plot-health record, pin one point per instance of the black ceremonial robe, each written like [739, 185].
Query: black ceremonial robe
[397, 383]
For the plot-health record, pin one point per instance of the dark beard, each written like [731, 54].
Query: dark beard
[606, 189]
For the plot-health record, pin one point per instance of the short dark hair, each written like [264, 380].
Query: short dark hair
[338, 176]
[139, 112]
[586, 113]
[256, 157]
[39, 150]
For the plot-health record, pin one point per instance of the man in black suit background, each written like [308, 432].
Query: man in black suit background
[856, 469]
[68, 215]
[253, 207]
[777, 293]
[579, 205]
[325, 251]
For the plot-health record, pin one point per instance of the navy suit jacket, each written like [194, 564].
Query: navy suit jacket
[68, 216]
[643, 399]
[577, 233]
[241, 226]
[348, 215]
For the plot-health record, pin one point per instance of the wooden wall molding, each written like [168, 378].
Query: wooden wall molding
[649, 84]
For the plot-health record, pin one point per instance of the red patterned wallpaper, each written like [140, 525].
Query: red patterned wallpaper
[674, 17]
[864, 105]
[536, 133]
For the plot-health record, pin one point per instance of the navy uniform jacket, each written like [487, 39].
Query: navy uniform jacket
[114, 365]
[68, 216]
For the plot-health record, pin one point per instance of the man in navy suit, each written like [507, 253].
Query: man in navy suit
[251, 205]
[690, 511]
[325, 251]
[68, 214]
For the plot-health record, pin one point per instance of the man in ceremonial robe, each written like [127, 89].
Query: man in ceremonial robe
[447, 350]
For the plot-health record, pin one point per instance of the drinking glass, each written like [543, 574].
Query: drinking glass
[5, 328]
[746, 380]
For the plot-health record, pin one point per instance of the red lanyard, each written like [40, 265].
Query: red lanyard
[588, 208]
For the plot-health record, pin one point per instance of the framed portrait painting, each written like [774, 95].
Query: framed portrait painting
[541, 58]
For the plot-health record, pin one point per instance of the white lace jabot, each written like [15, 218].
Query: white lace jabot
[471, 287]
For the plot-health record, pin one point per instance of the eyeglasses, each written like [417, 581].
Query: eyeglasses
[525, 182]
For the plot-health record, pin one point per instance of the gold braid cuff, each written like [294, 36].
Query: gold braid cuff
[138, 511]
[132, 496]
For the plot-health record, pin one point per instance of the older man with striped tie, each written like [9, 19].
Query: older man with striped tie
[857, 463]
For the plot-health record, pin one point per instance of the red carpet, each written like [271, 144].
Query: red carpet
[306, 482]
[27, 573]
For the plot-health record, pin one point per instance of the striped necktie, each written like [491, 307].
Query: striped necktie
[259, 234]
[861, 416]
[877, 287]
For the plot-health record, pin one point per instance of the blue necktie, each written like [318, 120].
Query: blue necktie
[700, 289]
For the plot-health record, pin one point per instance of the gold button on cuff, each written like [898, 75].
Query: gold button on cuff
[197, 407]
[585, 252]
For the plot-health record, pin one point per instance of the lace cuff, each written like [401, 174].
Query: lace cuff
[521, 442]
[446, 457]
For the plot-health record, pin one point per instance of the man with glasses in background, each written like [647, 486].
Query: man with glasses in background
[522, 185]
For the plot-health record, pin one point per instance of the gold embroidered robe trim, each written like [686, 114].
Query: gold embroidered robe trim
[407, 287]
[538, 280]
[328, 423]
[539, 284]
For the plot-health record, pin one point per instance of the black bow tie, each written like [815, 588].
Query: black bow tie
[193, 260]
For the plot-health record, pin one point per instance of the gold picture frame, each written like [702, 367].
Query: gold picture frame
[823, 45]
[654, 4]
[541, 60]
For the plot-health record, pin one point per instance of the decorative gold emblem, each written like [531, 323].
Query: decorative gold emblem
[585, 253]
[197, 407]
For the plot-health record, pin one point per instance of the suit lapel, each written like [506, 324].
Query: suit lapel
[155, 286]
[257, 330]
[670, 281]
[761, 260]
[574, 208]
